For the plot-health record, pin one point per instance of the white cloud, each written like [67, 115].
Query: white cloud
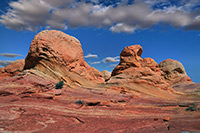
[10, 55]
[121, 27]
[95, 63]
[5, 63]
[171, 15]
[91, 56]
[26, 15]
[36, 14]
[111, 59]
[112, 65]
[58, 3]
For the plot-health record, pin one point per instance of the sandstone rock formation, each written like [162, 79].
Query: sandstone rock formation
[12, 69]
[131, 96]
[106, 75]
[60, 56]
[133, 69]
[173, 72]
[97, 72]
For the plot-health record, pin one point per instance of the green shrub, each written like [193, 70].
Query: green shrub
[193, 108]
[81, 102]
[59, 85]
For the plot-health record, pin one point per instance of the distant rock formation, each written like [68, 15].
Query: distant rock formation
[56, 56]
[133, 69]
[137, 97]
[173, 72]
[106, 75]
[13, 69]
[61, 57]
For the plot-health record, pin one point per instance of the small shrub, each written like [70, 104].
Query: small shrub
[81, 102]
[192, 108]
[59, 85]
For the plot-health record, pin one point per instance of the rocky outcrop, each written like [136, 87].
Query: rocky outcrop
[106, 75]
[133, 69]
[13, 69]
[173, 72]
[60, 56]
[97, 72]
[30, 101]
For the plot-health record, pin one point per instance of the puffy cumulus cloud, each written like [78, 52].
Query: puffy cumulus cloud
[75, 16]
[119, 16]
[26, 15]
[172, 15]
[10, 55]
[91, 56]
[122, 28]
[5, 63]
[111, 59]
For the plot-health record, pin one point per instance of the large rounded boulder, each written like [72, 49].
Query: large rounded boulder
[53, 46]
[61, 57]
[173, 72]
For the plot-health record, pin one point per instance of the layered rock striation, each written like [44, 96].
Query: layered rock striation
[13, 69]
[137, 92]
[60, 56]
[57, 56]
[133, 69]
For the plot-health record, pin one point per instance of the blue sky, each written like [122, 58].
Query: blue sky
[164, 28]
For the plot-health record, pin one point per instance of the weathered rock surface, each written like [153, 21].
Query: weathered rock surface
[13, 69]
[97, 72]
[106, 75]
[136, 98]
[173, 72]
[88, 110]
[133, 69]
[60, 56]
[187, 87]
